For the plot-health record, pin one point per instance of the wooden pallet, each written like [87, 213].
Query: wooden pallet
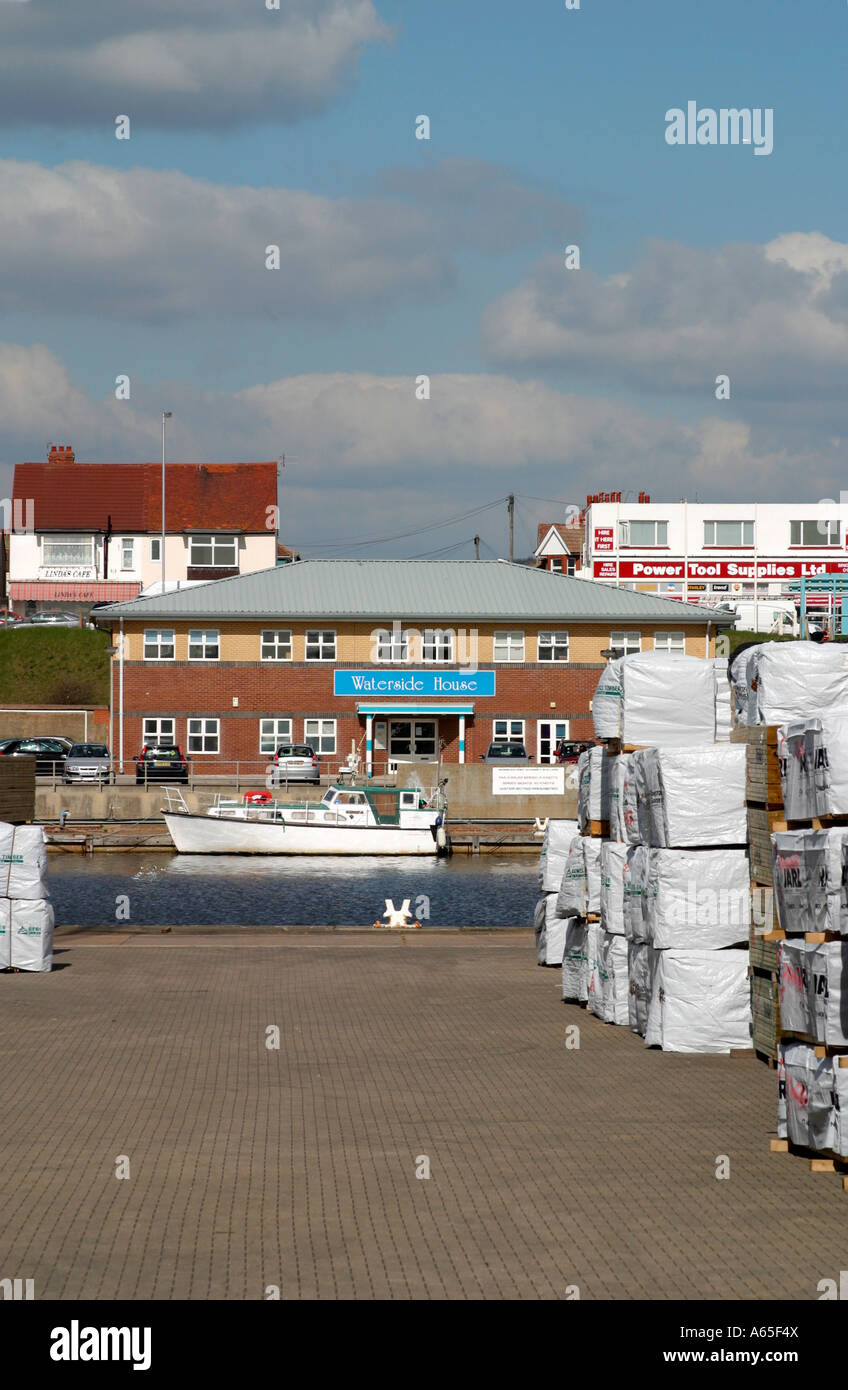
[839, 1052]
[817, 823]
[815, 938]
[820, 1160]
[599, 829]
[762, 824]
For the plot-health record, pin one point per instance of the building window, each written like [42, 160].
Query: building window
[508, 731]
[320, 646]
[127, 553]
[728, 533]
[158, 733]
[156, 548]
[67, 552]
[814, 533]
[626, 642]
[643, 533]
[392, 645]
[204, 644]
[159, 644]
[566, 565]
[320, 734]
[276, 644]
[672, 642]
[553, 646]
[273, 732]
[509, 646]
[437, 645]
[213, 552]
[204, 735]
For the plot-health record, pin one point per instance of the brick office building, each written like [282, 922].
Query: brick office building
[399, 659]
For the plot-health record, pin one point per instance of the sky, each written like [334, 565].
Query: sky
[444, 258]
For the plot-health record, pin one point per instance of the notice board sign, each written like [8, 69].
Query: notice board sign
[528, 781]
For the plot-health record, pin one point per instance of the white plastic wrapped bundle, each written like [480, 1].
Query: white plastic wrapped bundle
[635, 880]
[798, 680]
[808, 868]
[617, 981]
[698, 899]
[575, 984]
[813, 757]
[571, 899]
[592, 859]
[618, 773]
[795, 972]
[723, 699]
[23, 862]
[596, 973]
[835, 1077]
[700, 1002]
[641, 964]
[781, 1092]
[630, 800]
[799, 1065]
[692, 797]
[743, 697]
[607, 702]
[612, 886]
[550, 931]
[667, 699]
[26, 933]
[821, 1099]
[593, 787]
[830, 999]
[555, 846]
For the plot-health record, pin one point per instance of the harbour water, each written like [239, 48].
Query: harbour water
[112, 890]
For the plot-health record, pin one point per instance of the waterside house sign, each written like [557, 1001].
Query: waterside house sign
[414, 683]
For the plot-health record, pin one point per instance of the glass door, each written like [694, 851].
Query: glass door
[548, 734]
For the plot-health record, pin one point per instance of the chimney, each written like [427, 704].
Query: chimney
[60, 453]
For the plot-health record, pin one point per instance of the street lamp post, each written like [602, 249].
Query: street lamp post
[166, 415]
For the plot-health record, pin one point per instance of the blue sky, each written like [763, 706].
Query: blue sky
[443, 257]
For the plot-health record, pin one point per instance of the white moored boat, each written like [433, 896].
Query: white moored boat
[347, 820]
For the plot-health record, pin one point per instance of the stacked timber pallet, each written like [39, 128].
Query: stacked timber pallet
[17, 790]
[655, 886]
[799, 692]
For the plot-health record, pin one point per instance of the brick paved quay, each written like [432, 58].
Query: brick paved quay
[251, 1167]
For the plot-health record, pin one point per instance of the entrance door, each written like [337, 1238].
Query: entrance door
[413, 740]
[548, 734]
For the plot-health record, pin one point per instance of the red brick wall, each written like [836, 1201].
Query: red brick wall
[182, 690]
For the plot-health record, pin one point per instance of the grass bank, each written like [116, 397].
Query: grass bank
[54, 666]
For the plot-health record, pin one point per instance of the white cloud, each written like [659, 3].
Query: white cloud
[774, 317]
[211, 63]
[155, 245]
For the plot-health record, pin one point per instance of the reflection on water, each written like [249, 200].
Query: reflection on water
[306, 890]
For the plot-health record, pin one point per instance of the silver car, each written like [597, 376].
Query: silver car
[88, 762]
[295, 762]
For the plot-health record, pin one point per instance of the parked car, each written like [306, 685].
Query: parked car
[511, 753]
[295, 762]
[49, 752]
[88, 762]
[160, 765]
[568, 751]
[54, 620]
[9, 619]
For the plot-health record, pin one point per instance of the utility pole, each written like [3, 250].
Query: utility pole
[510, 506]
[166, 415]
[476, 547]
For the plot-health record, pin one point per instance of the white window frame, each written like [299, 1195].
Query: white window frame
[272, 641]
[674, 643]
[438, 646]
[206, 733]
[392, 646]
[127, 548]
[204, 644]
[270, 732]
[158, 633]
[503, 731]
[625, 533]
[826, 539]
[622, 638]
[156, 550]
[83, 544]
[556, 641]
[154, 735]
[319, 637]
[505, 641]
[746, 529]
[214, 541]
[317, 740]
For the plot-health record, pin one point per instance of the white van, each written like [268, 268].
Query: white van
[768, 615]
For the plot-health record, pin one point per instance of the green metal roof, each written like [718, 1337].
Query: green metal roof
[437, 590]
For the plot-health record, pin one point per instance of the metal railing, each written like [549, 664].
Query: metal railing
[247, 773]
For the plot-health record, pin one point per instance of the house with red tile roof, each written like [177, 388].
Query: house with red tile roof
[559, 547]
[85, 533]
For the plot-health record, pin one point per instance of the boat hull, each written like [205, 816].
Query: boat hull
[201, 834]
